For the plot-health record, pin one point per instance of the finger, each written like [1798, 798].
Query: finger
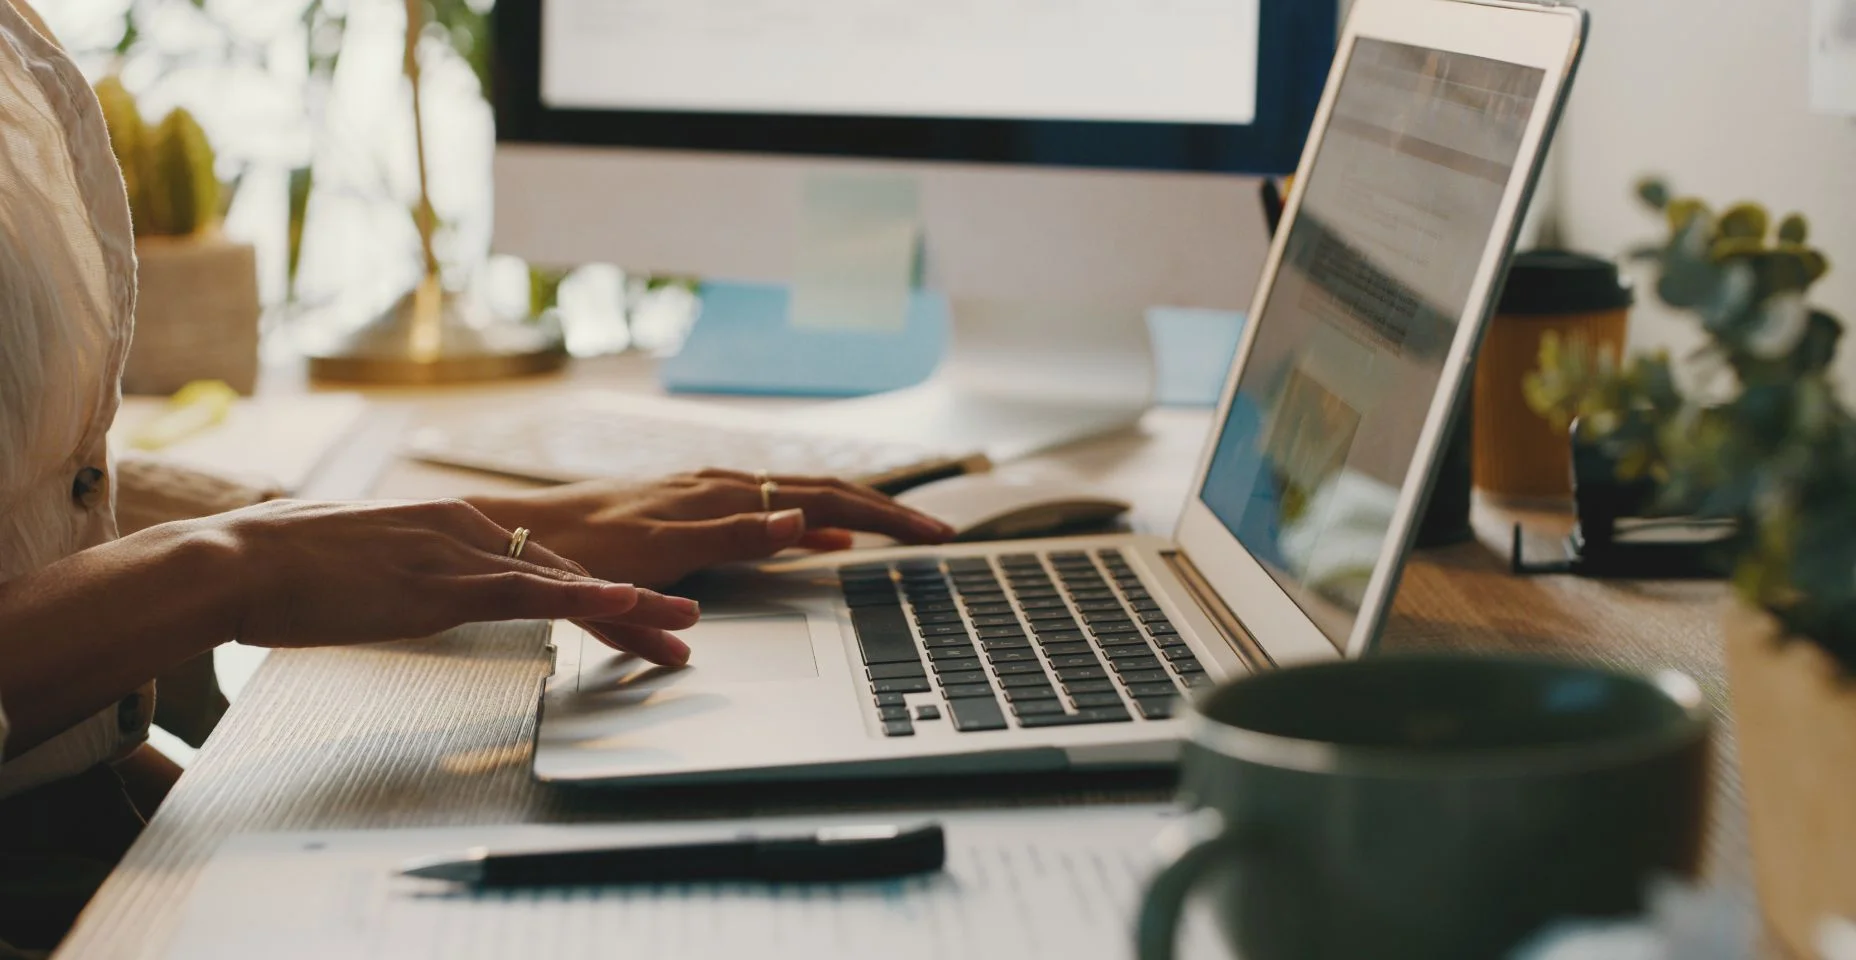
[830, 507]
[658, 646]
[663, 612]
[516, 594]
[827, 540]
[793, 480]
[744, 536]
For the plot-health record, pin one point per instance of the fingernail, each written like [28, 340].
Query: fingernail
[619, 591]
[679, 651]
[685, 605]
[786, 525]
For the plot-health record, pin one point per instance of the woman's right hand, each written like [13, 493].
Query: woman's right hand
[322, 574]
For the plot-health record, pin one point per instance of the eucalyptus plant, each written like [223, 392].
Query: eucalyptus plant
[1755, 433]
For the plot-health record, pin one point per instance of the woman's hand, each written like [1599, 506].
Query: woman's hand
[315, 574]
[658, 533]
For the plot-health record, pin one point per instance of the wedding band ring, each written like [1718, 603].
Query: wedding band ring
[767, 489]
[517, 541]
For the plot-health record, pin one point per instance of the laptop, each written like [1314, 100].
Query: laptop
[1074, 653]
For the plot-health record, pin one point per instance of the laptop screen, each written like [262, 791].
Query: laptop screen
[1351, 344]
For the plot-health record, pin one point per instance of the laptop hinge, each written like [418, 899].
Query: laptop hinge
[1229, 626]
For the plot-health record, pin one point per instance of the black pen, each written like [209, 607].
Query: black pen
[830, 855]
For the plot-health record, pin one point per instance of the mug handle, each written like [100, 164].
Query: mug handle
[1196, 844]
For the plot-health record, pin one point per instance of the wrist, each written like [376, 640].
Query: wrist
[209, 574]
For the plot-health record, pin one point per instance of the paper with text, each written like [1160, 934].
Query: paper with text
[1028, 884]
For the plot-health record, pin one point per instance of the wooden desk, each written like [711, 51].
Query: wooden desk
[437, 732]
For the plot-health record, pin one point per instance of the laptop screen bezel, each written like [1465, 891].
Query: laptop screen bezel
[1549, 38]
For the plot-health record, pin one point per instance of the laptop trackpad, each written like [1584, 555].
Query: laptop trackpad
[723, 649]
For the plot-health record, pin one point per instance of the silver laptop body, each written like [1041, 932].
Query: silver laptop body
[1071, 653]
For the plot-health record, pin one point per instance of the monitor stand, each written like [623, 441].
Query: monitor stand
[1017, 378]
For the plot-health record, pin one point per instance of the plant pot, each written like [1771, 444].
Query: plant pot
[1796, 717]
[196, 314]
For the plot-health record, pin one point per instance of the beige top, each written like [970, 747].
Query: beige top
[67, 303]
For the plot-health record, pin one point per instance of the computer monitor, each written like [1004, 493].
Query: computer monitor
[1085, 158]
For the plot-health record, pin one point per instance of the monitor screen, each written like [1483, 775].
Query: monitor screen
[1179, 61]
[1351, 344]
[1226, 86]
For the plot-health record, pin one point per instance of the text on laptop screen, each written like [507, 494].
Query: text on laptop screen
[1352, 341]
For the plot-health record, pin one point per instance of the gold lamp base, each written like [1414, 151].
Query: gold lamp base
[432, 336]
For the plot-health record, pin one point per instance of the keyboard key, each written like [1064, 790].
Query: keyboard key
[1029, 592]
[994, 633]
[890, 700]
[1131, 651]
[898, 728]
[1143, 676]
[1042, 603]
[1026, 679]
[938, 654]
[1115, 630]
[1105, 699]
[975, 597]
[892, 713]
[1194, 681]
[1023, 694]
[1036, 708]
[951, 678]
[934, 643]
[883, 635]
[927, 711]
[1110, 555]
[936, 606]
[976, 714]
[1136, 595]
[1162, 629]
[1066, 648]
[1081, 596]
[1154, 708]
[1075, 687]
[1090, 715]
[1144, 606]
[918, 564]
[1126, 667]
[1012, 656]
[905, 685]
[1170, 642]
[1098, 606]
[1107, 617]
[1005, 643]
[1057, 630]
[959, 665]
[962, 691]
[1153, 617]
[926, 618]
[988, 609]
[1075, 660]
[1067, 674]
[1121, 640]
[896, 671]
[1149, 690]
[861, 571]
[1016, 667]
[995, 620]
[955, 629]
[1187, 665]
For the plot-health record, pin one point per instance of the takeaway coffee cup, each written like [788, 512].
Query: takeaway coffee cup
[1429, 807]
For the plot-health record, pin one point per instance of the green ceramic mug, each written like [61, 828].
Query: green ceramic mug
[1429, 807]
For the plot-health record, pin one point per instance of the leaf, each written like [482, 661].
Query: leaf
[1654, 192]
[1745, 221]
[1794, 229]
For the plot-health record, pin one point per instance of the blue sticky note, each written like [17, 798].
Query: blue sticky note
[1193, 350]
[742, 343]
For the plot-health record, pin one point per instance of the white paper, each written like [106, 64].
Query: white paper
[277, 441]
[1833, 57]
[1062, 884]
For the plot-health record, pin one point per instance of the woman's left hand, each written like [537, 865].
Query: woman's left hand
[656, 534]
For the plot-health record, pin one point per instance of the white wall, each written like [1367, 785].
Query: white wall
[1714, 94]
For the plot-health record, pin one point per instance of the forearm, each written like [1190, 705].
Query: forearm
[91, 628]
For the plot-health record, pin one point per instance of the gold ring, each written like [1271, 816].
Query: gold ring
[517, 541]
[762, 477]
[767, 489]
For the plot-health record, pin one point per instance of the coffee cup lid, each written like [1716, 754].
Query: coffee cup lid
[1558, 282]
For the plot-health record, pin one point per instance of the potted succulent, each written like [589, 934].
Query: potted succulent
[1755, 435]
[196, 314]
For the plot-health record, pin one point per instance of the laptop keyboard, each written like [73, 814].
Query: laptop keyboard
[1029, 640]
